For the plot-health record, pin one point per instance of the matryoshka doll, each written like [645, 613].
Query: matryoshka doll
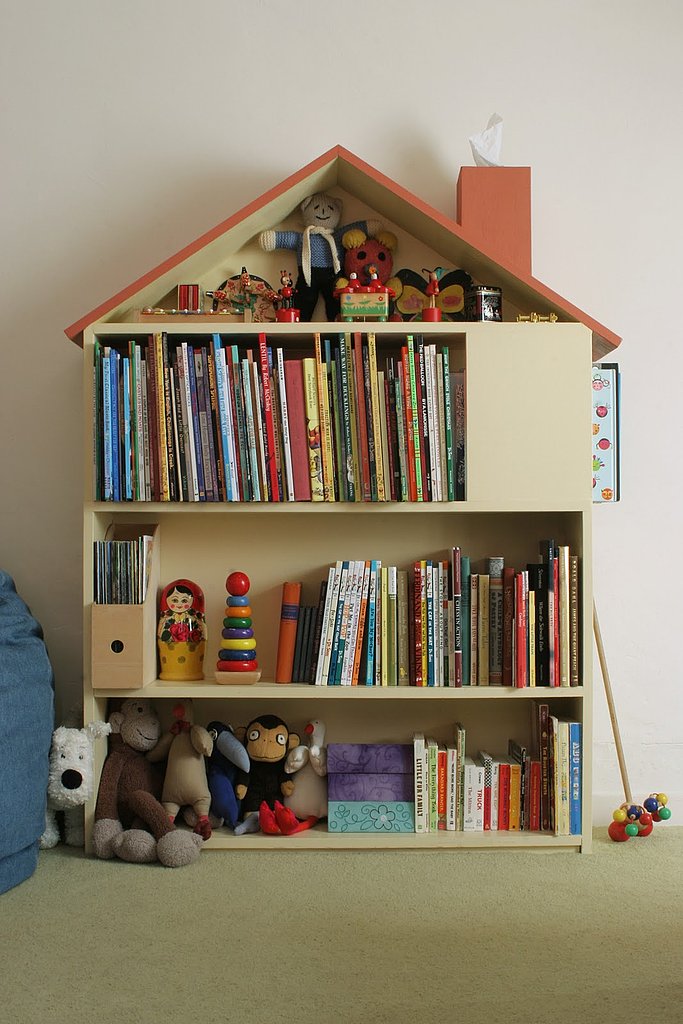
[181, 637]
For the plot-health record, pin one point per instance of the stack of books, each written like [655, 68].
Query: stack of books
[438, 622]
[527, 789]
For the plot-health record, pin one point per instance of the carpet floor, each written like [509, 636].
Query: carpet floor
[475, 936]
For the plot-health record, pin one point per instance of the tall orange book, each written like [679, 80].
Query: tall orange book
[289, 618]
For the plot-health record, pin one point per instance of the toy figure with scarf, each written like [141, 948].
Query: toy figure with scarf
[318, 248]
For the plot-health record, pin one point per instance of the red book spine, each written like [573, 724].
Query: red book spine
[535, 797]
[521, 678]
[441, 788]
[503, 797]
[289, 617]
[296, 413]
[268, 416]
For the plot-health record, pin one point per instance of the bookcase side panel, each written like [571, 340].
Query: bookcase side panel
[528, 414]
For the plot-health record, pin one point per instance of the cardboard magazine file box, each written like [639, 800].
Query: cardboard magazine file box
[370, 787]
[124, 636]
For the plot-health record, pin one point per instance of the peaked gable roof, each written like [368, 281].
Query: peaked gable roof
[450, 239]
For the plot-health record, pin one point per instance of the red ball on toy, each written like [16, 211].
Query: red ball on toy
[617, 831]
[644, 830]
[237, 584]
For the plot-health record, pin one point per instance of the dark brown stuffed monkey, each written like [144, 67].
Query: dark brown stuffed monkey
[130, 821]
[268, 741]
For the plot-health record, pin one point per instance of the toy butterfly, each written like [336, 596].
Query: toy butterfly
[414, 296]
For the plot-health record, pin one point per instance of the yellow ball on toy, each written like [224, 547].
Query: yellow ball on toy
[619, 814]
[662, 798]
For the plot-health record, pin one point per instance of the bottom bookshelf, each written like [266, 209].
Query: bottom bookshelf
[373, 715]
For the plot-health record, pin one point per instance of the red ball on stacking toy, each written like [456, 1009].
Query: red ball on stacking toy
[237, 584]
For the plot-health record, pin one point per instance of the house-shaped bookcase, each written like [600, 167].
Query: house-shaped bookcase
[526, 411]
[491, 240]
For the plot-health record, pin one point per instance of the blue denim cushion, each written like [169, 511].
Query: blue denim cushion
[26, 726]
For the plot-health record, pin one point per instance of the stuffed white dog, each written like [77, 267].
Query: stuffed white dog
[70, 781]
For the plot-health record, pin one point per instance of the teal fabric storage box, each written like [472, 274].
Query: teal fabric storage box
[370, 787]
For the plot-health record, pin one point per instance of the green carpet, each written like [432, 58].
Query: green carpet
[468, 936]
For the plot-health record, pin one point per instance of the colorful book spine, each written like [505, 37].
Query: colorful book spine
[313, 428]
[606, 387]
[327, 467]
[575, 779]
[268, 418]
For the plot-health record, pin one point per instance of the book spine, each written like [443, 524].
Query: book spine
[483, 632]
[284, 415]
[416, 420]
[259, 426]
[289, 616]
[575, 781]
[327, 623]
[574, 676]
[459, 433]
[250, 431]
[376, 425]
[401, 439]
[421, 406]
[496, 565]
[564, 614]
[448, 426]
[327, 468]
[268, 417]
[375, 569]
[402, 613]
[420, 783]
[294, 383]
[361, 419]
[314, 439]
[347, 425]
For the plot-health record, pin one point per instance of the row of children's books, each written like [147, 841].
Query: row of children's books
[536, 788]
[121, 570]
[189, 420]
[436, 623]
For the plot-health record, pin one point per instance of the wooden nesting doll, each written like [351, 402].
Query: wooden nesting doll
[181, 637]
[237, 655]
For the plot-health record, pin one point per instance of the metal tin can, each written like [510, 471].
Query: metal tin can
[483, 302]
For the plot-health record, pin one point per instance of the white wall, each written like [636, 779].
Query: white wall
[128, 129]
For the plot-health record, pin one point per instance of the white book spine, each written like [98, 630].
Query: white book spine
[420, 772]
[330, 601]
[284, 416]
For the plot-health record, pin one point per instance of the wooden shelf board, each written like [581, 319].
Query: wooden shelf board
[319, 838]
[301, 691]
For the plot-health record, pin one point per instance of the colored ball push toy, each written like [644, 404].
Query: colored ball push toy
[237, 662]
[636, 820]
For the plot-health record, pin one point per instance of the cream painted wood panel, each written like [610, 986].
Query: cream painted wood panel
[528, 414]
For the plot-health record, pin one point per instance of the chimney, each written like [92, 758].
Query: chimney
[494, 211]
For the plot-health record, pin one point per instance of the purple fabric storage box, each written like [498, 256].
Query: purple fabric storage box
[370, 787]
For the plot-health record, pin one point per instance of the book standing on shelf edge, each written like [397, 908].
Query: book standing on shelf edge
[289, 614]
